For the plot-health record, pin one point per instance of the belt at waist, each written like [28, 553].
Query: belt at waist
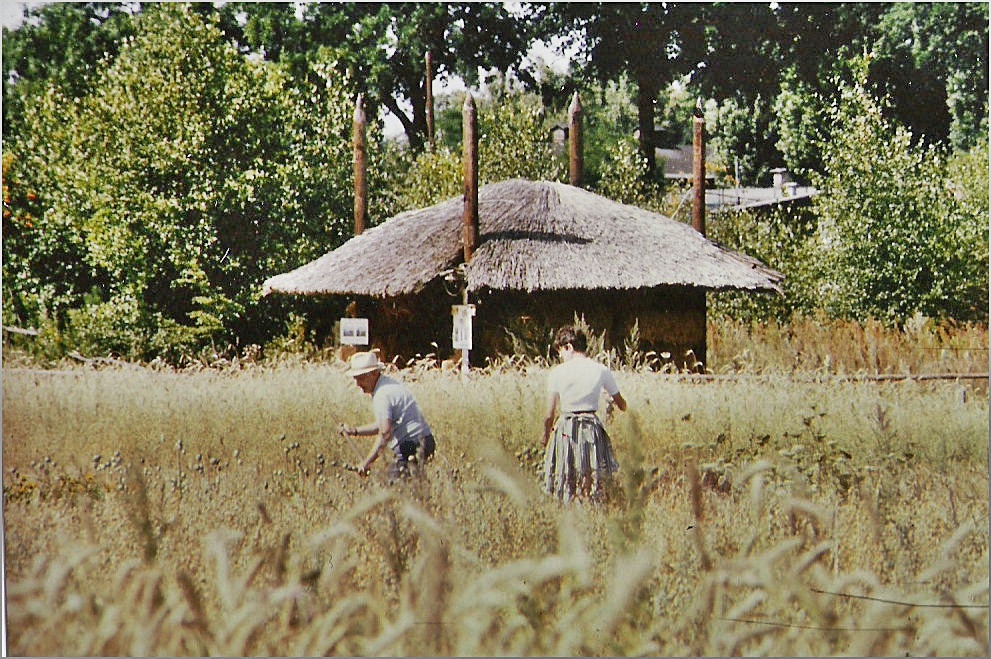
[574, 412]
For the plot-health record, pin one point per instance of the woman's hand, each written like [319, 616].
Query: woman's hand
[346, 431]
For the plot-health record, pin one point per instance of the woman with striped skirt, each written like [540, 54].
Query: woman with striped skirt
[579, 458]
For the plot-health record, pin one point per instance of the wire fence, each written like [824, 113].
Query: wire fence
[827, 377]
[913, 605]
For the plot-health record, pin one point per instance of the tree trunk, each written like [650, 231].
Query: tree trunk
[415, 132]
[646, 93]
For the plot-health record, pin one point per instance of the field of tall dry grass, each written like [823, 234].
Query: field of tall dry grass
[797, 509]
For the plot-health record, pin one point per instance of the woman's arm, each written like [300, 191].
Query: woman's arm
[549, 417]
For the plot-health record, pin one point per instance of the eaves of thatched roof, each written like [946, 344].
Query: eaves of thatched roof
[533, 235]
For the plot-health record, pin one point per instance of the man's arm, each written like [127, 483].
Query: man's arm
[384, 437]
[359, 431]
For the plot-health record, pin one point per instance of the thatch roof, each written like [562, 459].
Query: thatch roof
[533, 235]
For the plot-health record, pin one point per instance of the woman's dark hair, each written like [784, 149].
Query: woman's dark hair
[574, 336]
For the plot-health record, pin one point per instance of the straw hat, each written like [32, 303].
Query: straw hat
[364, 362]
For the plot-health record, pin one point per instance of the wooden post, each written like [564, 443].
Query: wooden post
[360, 160]
[464, 353]
[469, 235]
[698, 209]
[575, 142]
[469, 146]
[347, 350]
[698, 169]
[429, 87]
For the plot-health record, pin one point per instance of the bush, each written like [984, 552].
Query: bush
[895, 236]
[783, 240]
[899, 228]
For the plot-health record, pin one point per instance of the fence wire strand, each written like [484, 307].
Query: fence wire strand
[792, 625]
[900, 603]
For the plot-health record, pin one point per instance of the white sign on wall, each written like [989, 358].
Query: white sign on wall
[354, 331]
[461, 334]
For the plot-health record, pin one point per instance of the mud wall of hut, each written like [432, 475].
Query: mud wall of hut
[668, 320]
[408, 327]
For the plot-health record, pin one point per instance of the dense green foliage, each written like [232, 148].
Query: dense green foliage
[929, 58]
[512, 144]
[653, 43]
[144, 215]
[170, 157]
[382, 46]
[898, 230]
[894, 237]
[61, 43]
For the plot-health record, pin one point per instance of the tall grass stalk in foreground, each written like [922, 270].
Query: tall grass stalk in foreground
[199, 513]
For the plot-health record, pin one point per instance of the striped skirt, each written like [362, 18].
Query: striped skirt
[579, 459]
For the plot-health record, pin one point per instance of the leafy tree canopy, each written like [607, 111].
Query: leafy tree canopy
[896, 237]
[176, 186]
[61, 43]
[653, 43]
[383, 46]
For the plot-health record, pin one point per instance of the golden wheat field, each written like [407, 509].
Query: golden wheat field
[789, 511]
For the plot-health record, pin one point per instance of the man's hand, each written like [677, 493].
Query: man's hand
[345, 430]
[361, 471]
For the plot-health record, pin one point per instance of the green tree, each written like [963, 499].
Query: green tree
[744, 48]
[653, 43]
[742, 138]
[382, 46]
[931, 59]
[928, 59]
[895, 239]
[513, 143]
[43, 256]
[59, 43]
[622, 178]
[799, 121]
[609, 117]
[811, 37]
[185, 178]
[784, 239]
[610, 121]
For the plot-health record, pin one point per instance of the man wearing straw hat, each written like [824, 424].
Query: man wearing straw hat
[399, 423]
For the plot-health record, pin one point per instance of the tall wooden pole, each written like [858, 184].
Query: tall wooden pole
[360, 161]
[698, 212]
[698, 169]
[469, 146]
[576, 145]
[429, 88]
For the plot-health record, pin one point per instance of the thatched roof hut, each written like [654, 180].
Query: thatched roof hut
[533, 236]
[542, 239]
